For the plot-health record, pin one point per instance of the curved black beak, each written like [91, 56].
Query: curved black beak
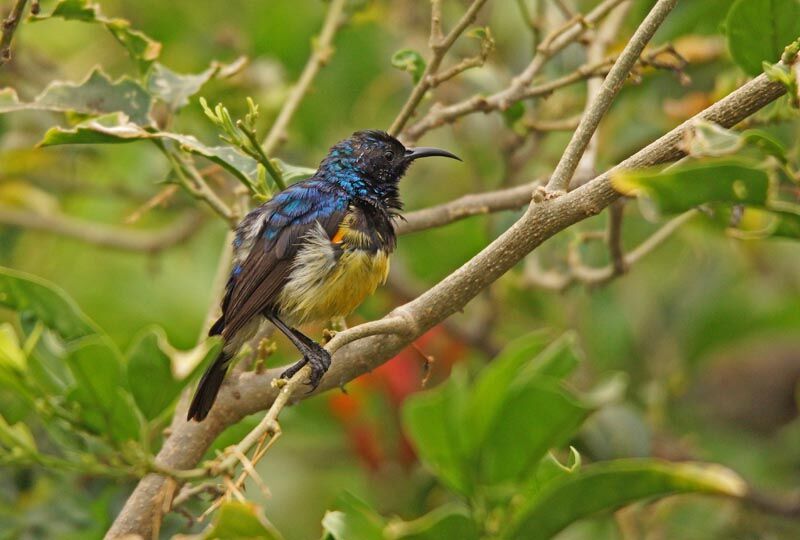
[427, 151]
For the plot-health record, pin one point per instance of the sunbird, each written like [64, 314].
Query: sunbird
[313, 252]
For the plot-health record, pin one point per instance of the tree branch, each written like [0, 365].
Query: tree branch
[556, 41]
[251, 392]
[616, 214]
[565, 169]
[596, 52]
[534, 276]
[322, 49]
[180, 230]
[440, 45]
[473, 204]
[9, 26]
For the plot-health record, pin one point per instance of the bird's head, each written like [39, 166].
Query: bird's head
[369, 164]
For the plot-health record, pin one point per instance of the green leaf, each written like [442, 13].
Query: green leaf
[534, 417]
[175, 89]
[448, 521]
[104, 406]
[783, 74]
[708, 139]
[711, 139]
[781, 221]
[35, 298]
[681, 188]
[243, 167]
[117, 129]
[150, 377]
[355, 520]
[758, 30]
[436, 422]
[608, 486]
[11, 355]
[788, 224]
[17, 438]
[410, 61]
[766, 142]
[241, 521]
[513, 113]
[139, 46]
[95, 96]
[293, 173]
[550, 468]
[499, 429]
[556, 360]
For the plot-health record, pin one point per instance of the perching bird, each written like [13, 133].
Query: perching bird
[313, 252]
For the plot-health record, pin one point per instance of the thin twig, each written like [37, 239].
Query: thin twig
[440, 45]
[9, 26]
[473, 204]
[159, 198]
[595, 53]
[553, 43]
[565, 169]
[616, 213]
[322, 50]
[535, 276]
[124, 239]
[566, 11]
[260, 156]
[197, 187]
[561, 124]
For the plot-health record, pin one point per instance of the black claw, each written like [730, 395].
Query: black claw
[319, 361]
[289, 372]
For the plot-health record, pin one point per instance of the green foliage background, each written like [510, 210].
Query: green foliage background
[705, 332]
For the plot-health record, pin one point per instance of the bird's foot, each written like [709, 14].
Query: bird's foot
[318, 359]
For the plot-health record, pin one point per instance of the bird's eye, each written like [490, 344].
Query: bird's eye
[388, 156]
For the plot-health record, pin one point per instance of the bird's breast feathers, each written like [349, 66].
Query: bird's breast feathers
[331, 276]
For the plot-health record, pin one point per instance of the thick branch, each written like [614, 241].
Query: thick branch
[102, 235]
[9, 26]
[251, 392]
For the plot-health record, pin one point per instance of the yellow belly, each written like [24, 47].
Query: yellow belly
[323, 285]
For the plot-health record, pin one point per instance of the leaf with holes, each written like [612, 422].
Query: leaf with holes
[97, 95]
[117, 129]
[175, 89]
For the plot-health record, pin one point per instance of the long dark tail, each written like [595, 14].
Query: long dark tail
[207, 390]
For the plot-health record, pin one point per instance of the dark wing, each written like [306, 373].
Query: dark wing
[284, 221]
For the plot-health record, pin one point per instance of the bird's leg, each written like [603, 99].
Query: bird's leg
[313, 354]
